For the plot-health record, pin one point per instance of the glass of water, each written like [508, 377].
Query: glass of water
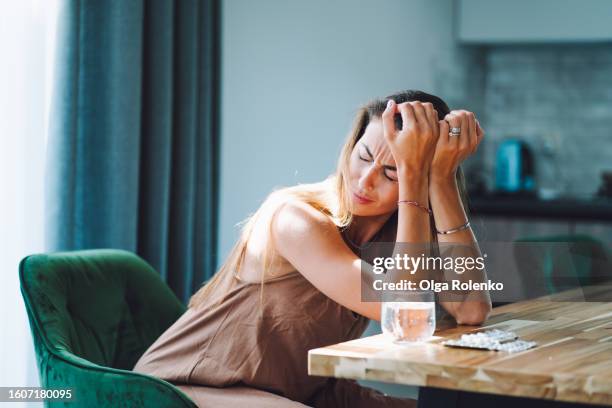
[411, 319]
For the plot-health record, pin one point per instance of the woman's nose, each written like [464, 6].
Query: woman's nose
[367, 179]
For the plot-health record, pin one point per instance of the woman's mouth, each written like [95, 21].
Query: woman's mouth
[362, 199]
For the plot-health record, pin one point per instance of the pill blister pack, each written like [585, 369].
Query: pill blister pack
[497, 340]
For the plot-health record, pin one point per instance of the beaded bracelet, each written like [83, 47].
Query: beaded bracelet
[459, 228]
[416, 204]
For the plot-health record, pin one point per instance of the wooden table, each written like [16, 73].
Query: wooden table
[572, 362]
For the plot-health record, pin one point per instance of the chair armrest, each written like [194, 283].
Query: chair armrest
[97, 386]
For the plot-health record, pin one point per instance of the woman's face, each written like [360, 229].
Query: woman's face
[372, 174]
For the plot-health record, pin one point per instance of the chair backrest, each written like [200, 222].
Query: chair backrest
[104, 306]
[567, 261]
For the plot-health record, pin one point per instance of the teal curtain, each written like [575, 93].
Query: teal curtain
[132, 159]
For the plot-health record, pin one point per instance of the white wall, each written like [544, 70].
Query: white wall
[27, 42]
[293, 74]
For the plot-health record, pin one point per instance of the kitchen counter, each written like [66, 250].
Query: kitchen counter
[533, 207]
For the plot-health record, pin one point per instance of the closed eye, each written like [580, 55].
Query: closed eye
[390, 178]
[384, 171]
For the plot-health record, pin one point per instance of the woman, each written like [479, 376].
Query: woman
[303, 245]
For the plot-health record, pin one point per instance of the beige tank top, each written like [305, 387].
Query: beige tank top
[227, 341]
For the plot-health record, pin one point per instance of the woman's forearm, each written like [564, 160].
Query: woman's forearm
[448, 214]
[413, 225]
[448, 210]
[413, 222]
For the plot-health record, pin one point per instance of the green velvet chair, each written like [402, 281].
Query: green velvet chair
[92, 315]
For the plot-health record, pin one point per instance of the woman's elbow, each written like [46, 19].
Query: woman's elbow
[476, 314]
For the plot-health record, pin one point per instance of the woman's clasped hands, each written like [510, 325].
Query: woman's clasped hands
[426, 145]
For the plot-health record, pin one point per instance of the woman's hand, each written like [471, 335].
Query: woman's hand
[451, 150]
[414, 144]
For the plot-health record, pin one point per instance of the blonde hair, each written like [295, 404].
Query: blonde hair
[330, 196]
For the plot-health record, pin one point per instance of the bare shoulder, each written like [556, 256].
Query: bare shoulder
[293, 226]
[301, 233]
[295, 219]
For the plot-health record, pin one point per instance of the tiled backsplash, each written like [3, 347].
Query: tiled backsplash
[558, 98]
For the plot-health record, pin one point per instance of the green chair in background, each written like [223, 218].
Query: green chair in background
[92, 315]
[568, 261]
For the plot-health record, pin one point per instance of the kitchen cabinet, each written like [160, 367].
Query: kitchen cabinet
[506, 229]
[505, 219]
[599, 230]
[521, 21]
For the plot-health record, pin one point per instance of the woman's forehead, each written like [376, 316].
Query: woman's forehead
[374, 139]
[373, 135]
